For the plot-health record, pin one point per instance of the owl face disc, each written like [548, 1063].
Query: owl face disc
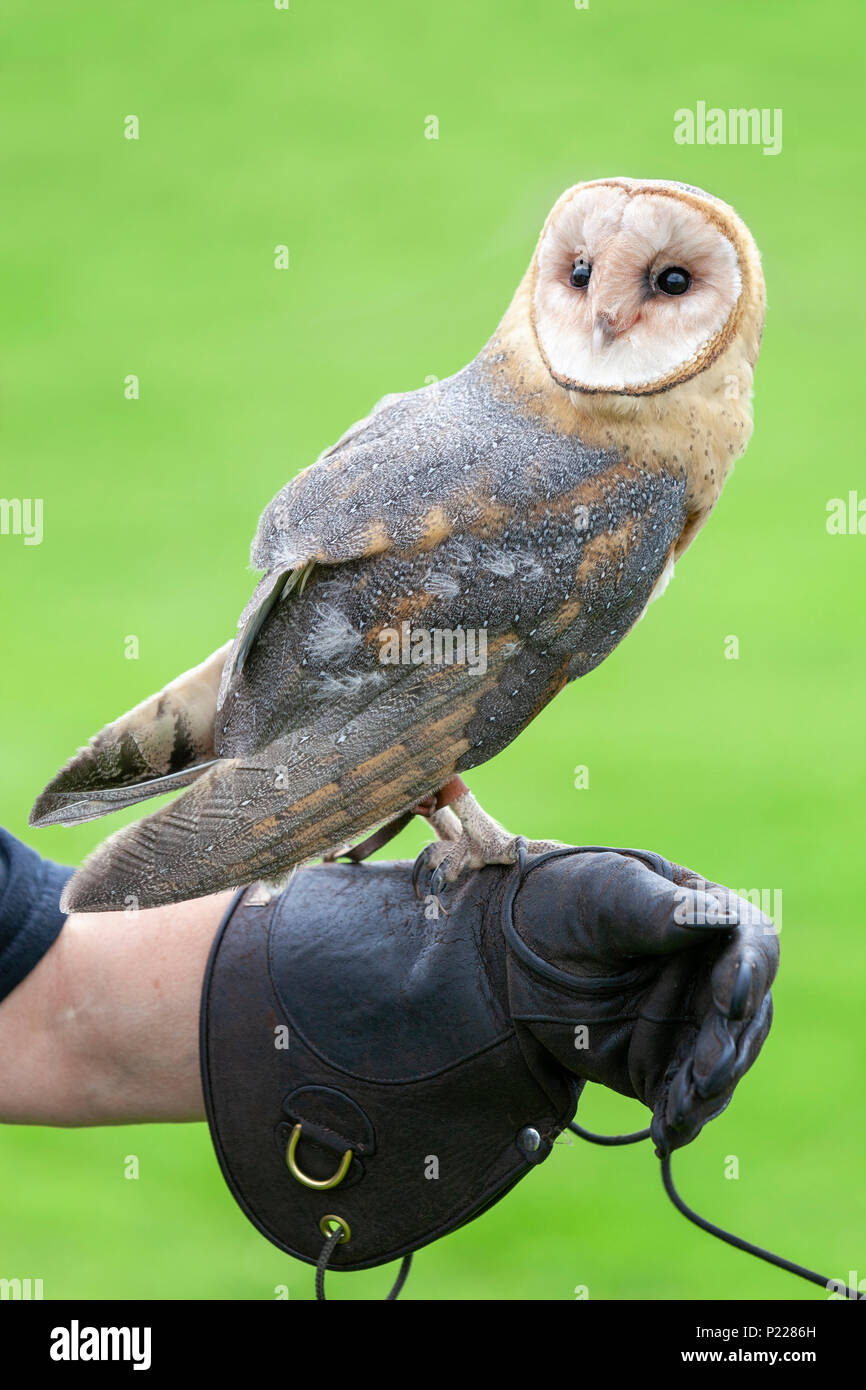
[636, 287]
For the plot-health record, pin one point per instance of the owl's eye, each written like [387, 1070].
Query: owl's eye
[580, 273]
[674, 280]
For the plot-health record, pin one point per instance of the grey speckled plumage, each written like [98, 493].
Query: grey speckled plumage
[519, 515]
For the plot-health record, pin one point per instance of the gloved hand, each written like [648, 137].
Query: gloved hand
[668, 986]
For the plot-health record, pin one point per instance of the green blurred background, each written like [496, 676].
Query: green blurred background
[156, 257]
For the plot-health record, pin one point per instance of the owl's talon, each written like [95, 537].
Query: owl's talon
[438, 881]
[432, 895]
[429, 858]
[419, 864]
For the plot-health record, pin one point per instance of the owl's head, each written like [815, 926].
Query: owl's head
[637, 286]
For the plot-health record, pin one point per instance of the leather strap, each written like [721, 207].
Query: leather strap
[426, 807]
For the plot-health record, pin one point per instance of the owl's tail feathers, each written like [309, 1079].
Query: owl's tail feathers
[255, 816]
[247, 819]
[164, 743]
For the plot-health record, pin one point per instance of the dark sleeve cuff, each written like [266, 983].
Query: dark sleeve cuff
[30, 916]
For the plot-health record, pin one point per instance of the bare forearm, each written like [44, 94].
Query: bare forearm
[104, 1030]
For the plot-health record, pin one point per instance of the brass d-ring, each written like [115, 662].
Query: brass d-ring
[323, 1183]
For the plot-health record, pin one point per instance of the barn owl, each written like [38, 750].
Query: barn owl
[537, 499]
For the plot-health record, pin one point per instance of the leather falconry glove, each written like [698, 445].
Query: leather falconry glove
[378, 1072]
[667, 975]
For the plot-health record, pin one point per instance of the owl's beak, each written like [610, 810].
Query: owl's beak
[603, 333]
[609, 325]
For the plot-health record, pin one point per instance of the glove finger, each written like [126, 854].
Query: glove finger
[629, 908]
[703, 1084]
[744, 971]
[664, 1027]
[716, 905]
[745, 913]
[739, 984]
[735, 1051]
[681, 1114]
[705, 1004]
[753, 1037]
[715, 1054]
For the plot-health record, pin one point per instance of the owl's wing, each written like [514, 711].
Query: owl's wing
[375, 489]
[397, 481]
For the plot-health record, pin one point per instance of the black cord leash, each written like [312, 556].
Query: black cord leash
[737, 1241]
[740, 1244]
[330, 1245]
[609, 1140]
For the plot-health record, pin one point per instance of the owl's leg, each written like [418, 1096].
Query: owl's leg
[481, 840]
[446, 825]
